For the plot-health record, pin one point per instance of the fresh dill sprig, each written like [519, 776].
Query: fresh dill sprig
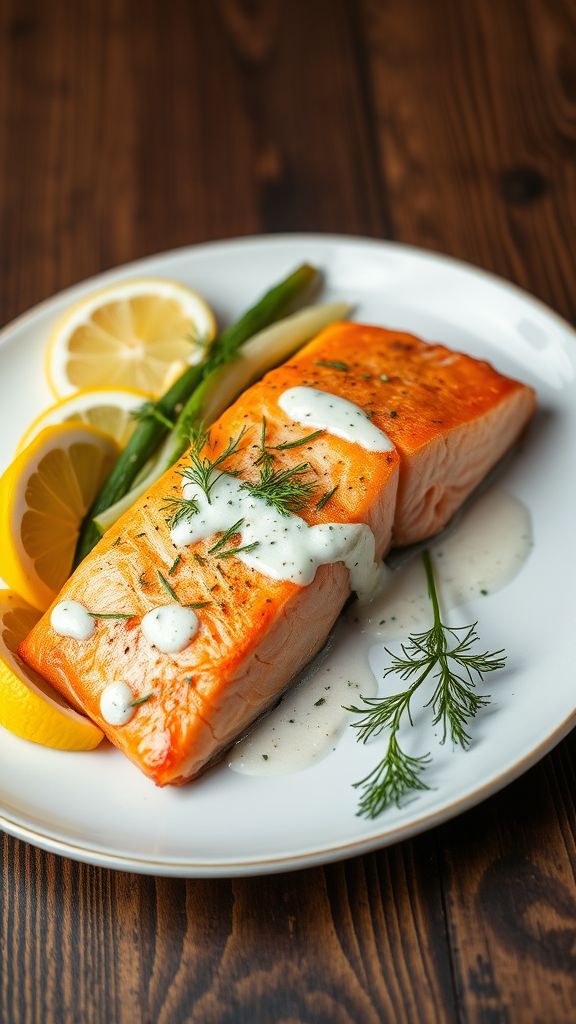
[444, 653]
[225, 537]
[395, 775]
[167, 586]
[283, 489]
[204, 471]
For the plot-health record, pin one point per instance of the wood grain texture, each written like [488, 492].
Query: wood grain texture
[131, 127]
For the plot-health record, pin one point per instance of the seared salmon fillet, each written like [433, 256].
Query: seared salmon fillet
[448, 418]
[451, 417]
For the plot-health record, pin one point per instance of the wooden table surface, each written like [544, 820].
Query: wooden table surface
[131, 127]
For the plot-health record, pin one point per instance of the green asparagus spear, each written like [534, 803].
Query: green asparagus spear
[148, 435]
[221, 386]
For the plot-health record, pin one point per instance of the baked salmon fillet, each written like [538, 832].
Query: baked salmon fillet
[424, 426]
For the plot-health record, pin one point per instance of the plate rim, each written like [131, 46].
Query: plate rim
[277, 238]
[226, 867]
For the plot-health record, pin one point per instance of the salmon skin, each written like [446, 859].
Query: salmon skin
[450, 418]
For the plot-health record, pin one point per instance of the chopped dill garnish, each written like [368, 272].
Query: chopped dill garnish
[333, 364]
[198, 558]
[236, 551]
[140, 700]
[265, 457]
[174, 565]
[225, 537]
[326, 498]
[111, 615]
[455, 670]
[283, 489]
[198, 604]
[167, 586]
[295, 444]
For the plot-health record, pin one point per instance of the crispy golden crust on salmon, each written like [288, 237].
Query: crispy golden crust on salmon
[450, 418]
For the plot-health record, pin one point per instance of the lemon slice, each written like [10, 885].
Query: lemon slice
[29, 707]
[139, 333]
[108, 409]
[44, 496]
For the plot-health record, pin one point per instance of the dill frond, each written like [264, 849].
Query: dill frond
[445, 654]
[283, 489]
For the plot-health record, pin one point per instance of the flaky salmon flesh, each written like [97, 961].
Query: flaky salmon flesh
[450, 418]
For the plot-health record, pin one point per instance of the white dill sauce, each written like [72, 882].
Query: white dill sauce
[311, 716]
[72, 619]
[320, 409]
[170, 627]
[285, 547]
[480, 555]
[117, 703]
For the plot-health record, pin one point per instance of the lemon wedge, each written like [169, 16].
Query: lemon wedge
[44, 496]
[138, 333]
[108, 409]
[29, 707]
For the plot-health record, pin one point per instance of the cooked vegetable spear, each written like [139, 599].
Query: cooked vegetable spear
[222, 385]
[286, 295]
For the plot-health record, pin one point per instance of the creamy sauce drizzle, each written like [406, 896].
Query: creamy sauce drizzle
[322, 410]
[170, 627]
[70, 618]
[481, 555]
[288, 549]
[485, 551]
[310, 717]
[115, 703]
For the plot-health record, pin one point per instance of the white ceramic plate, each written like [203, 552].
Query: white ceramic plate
[96, 807]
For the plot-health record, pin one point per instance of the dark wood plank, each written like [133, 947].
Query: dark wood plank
[475, 110]
[360, 941]
[511, 898]
[128, 128]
